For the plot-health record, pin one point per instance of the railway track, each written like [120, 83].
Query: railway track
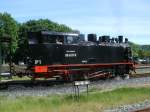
[143, 110]
[30, 83]
[141, 71]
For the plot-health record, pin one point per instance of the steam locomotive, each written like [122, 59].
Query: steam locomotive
[69, 56]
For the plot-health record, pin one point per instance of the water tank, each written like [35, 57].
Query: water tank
[92, 37]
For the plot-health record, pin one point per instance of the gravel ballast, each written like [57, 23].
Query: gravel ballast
[103, 85]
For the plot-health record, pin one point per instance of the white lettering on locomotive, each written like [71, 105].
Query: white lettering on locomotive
[71, 55]
[37, 62]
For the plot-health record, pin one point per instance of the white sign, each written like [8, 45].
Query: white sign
[78, 83]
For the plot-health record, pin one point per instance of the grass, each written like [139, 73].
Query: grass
[96, 101]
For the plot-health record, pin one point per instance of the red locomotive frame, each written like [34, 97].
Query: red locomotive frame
[90, 70]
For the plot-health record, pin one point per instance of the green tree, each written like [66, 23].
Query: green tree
[141, 53]
[44, 24]
[135, 49]
[146, 53]
[41, 24]
[9, 27]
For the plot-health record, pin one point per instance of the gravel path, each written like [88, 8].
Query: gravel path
[103, 85]
[113, 84]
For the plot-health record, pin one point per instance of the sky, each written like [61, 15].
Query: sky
[130, 18]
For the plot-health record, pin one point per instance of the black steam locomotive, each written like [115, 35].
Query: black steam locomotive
[68, 56]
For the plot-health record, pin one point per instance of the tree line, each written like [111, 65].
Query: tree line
[140, 51]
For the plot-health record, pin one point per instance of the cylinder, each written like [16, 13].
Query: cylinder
[112, 40]
[116, 40]
[100, 39]
[103, 39]
[126, 40]
[107, 39]
[120, 39]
